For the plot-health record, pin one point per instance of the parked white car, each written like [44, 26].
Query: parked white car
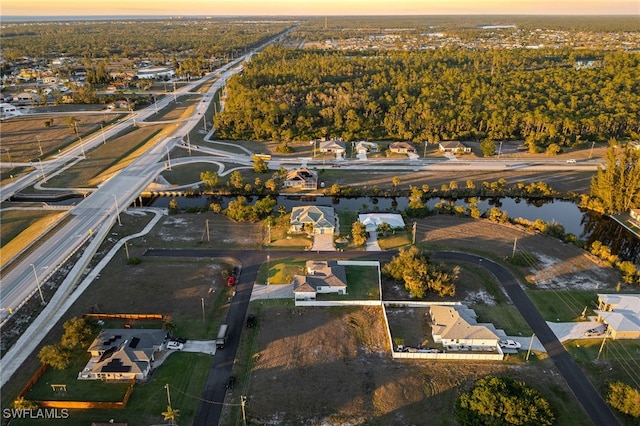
[509, 344]
[173, 345]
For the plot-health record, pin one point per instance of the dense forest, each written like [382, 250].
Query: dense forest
[155, 39]
[538, 96]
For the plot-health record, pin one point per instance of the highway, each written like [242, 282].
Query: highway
[20, 282]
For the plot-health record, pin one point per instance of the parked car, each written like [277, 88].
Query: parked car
[231, 281]
[509, 344]
[571, 161]
[231, 382]
[235, 271]
[593, 332]
[251, 320]
[175, 346]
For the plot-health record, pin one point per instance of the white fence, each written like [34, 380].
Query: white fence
[447, 355]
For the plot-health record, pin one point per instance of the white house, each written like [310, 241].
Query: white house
[371, 221]
[456, 328]
[321, 277]
[455, 147]
[621, 312]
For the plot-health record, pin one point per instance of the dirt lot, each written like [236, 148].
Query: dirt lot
[333, 366]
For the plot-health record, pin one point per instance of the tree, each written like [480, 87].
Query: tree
[55, 356]
[503, 401]
[76, 333]
[259, 165]
[412, 268]
[359, 233]
[624, 398]
[488, 147]
[171, 414]
[210, 179]
[236, 180]
[617, 185]
[173, 206]
[395, 181]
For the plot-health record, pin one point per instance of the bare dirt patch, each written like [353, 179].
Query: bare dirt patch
[557, 265]
[332, 366]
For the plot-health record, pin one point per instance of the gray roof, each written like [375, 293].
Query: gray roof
[321, 274]
[318, 216]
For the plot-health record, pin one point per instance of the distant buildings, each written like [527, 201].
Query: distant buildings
[621, 312]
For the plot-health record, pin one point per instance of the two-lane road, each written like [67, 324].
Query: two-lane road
[591, 401]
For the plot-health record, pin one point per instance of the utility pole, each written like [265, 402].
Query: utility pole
[38, 284]
[104, 139]
[39, 144]
[204, 121]
[515, 244]
[206, 224]
[591, 151]
[530, 345]
[168, 160]
[413, 238]
[202, 300]
[604, 339]
[117, 209]
[42, 171]
[189, 143]
[243, 400]
[126, 250]
[425, 150]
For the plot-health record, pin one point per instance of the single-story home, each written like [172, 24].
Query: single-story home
[456, 328]
[364, 147]
[123, 354]
[334, 146]
[321, 218]
[635, 214]
[302, 178]
[621, 312]
[455, 147]
[321, 277]
[372, 220]
[155, 72]
[402, 148]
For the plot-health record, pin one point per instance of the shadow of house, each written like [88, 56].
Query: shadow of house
[123, 354]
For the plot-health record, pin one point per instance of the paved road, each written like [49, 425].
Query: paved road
[593, 405]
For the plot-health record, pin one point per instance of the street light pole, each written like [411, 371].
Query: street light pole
[38, 284]
[530, 345]
[202, 300]
[39, 144]
[268, 267]
[9, 155]
[42, 170]
[104, 139]
[117, 209]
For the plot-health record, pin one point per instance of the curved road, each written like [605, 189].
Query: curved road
[592, 403]
[214, 393]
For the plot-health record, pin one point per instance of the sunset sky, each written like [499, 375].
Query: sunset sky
[318, 7]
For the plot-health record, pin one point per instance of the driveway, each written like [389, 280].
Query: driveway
[372, 242]
[592, 403]
[323, 242]
[278, 291]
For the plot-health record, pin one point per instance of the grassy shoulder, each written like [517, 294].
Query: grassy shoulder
[564, 305]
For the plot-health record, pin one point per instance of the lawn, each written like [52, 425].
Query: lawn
[395, 240]
[563, 305]
[183, 372]
[77, 390]
[362, 284]
[280, 271]
[506, 317]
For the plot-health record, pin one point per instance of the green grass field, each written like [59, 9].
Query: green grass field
[563, 305]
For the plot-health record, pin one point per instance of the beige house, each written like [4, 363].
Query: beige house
[123, 354]
[402, 148]
[635, 214]
[322, 219]
[321, 277]
[334, 146]
[621, 312]
[301, 178]
[456, 328]
[455, 147]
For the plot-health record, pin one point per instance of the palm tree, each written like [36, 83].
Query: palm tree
[171, 414]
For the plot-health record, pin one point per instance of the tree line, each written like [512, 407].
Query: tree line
[538, 96]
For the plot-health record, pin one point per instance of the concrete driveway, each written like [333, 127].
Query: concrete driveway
[372, 242]
[323, 242]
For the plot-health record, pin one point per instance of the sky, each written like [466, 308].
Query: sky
[317, 7]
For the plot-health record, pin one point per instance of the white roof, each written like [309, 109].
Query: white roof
[372, 220]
